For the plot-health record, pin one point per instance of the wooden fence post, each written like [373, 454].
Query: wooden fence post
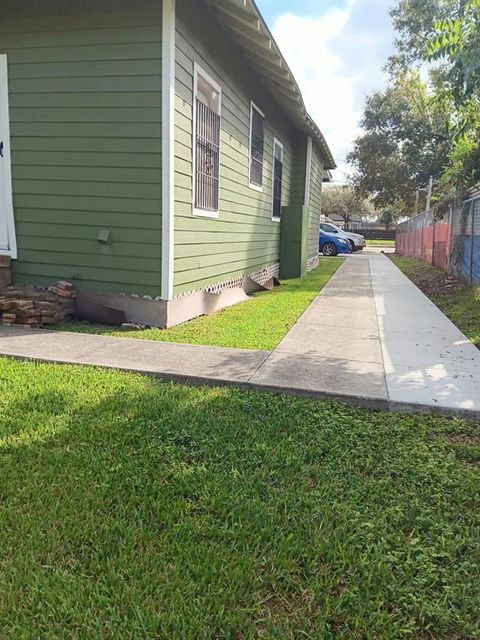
[433, 241]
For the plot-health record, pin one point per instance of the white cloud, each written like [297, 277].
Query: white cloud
[336, 59]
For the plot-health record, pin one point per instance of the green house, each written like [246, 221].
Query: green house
[157, 154]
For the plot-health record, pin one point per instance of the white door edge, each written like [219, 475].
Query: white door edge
[6, 201]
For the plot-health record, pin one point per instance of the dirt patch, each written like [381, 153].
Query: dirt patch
[464, 446]
[434, 283]
[462, 438]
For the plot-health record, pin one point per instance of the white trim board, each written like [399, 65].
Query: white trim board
[168, 147]
[308, 172]
[7, 197]
[276, 142]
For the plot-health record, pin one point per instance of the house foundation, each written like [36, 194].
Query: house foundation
[117, 308]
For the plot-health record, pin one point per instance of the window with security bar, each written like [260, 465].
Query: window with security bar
[277, 180]
[257, 136]
[207, 143]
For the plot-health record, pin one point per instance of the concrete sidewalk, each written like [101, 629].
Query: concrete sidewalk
[168, 360]
[427, 360]
[334, 348]
[370, 336]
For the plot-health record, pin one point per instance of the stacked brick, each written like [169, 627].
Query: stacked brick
[35, 307]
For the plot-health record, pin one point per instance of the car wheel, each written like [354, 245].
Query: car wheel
[352, 246]
[329, 249]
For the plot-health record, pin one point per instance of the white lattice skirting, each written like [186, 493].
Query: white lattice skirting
[261, 276]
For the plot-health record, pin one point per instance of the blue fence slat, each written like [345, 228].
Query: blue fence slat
[466, 257]
[476, 260]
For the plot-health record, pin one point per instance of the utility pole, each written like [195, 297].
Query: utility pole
[417, 194]
[429, 193]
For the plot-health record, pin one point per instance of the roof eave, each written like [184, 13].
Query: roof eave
[245, 22]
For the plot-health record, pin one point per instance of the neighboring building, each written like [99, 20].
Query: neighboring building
[354, 222]
[153, 150]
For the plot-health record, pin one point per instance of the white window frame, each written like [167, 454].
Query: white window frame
[308, 171]
[251, 184]
[8, 195]
[197, 69]
[277, 142]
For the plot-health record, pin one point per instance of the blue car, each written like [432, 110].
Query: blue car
[330, 244]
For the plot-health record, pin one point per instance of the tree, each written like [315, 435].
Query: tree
[404, 143]
[415, 129]
[447, 34]
[455, 41]
[413, 20]
[386, 218]
[345, 202]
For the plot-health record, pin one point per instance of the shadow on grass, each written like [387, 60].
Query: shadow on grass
[149, 509]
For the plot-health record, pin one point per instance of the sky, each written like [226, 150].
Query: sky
[336, 50]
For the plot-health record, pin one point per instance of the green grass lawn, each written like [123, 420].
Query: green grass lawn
[132, 508]
[380, 243]
[258, 323]
[458, 301]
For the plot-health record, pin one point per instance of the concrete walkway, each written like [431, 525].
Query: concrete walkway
[334, 348]
[370, 336]
[168, 360]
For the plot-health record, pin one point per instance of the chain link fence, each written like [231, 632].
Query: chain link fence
[450, 241]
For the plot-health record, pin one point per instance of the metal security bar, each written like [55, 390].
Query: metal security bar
[207, 158]
[256, 148]
[277, 187]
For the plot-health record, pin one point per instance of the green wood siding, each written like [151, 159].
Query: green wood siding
[315, 203]
[85, 119]
[244, 238]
